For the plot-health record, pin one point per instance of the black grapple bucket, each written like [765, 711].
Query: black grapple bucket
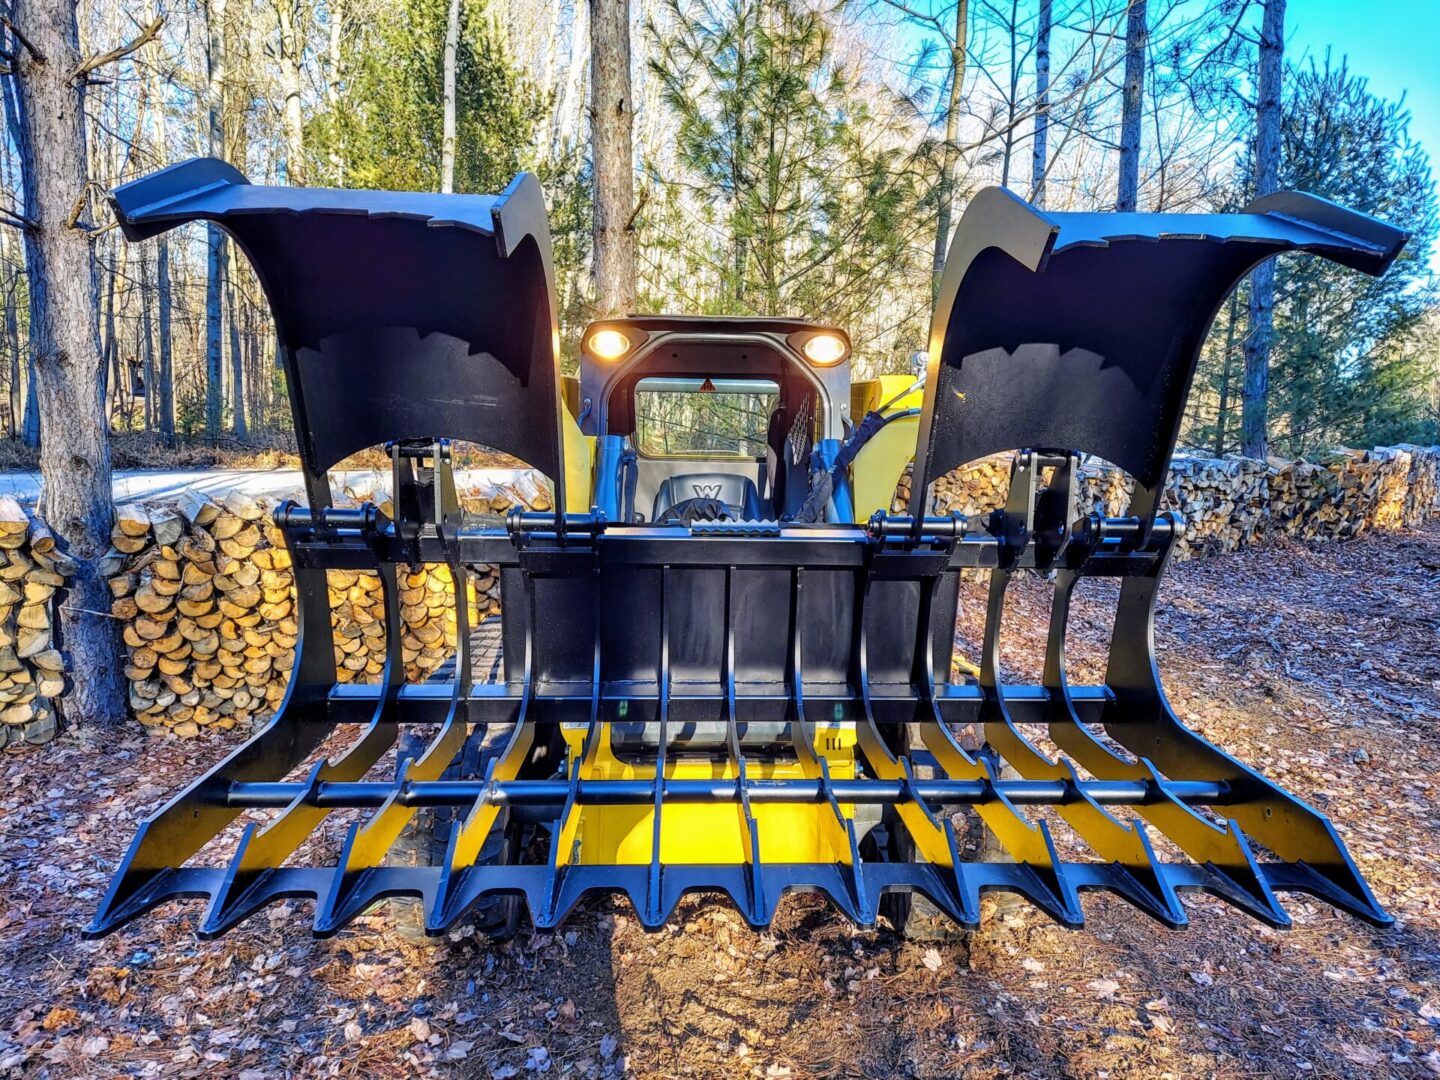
[752, 708]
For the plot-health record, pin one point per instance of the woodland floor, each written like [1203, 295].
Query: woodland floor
[1296, 659]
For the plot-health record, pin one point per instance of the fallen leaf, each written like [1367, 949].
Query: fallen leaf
[931, 960]
[1361, 1054]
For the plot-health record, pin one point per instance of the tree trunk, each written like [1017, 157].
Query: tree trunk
[290, 60]
[611, 116]
[1255, 407]
[166, 376]
[64, 331]
[1222, 410]
[215, 238]
[950, 152]
[447, 132]
[147, 338]
[336, 18]
[30, 426]
[237, 357]
[1039, 152]
[12, 340]
[1132, 103]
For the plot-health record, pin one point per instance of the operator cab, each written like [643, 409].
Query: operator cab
[711, 418]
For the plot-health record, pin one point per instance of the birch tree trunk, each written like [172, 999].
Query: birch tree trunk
[215, 238]
[1132, 104]
[64, 330]
[950, 153]
[447, 132]
[1255, 401]
[290, 61]
[612, 151]
[333, 76]
[237, 356]
[147, 338]
[1039, 151]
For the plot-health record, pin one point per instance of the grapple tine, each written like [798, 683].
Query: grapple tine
[1223, 849]
[1140, 719]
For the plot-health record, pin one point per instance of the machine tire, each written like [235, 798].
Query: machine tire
[426, 839]
[912, 914]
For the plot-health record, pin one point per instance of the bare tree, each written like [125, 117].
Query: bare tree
[291, 55]
[45, 58]
[215, 237]
[1255, 401]
[1132, 104]
[447, 136]
[1039, 163]
[611, 147]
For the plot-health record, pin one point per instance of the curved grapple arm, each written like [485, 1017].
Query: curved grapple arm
[400, 315]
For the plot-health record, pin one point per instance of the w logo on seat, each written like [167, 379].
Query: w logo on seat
[707, 491]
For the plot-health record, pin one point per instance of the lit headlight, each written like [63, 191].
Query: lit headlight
[608, 344]
[823, 350]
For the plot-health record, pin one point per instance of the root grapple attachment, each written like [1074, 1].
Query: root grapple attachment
[742, 708]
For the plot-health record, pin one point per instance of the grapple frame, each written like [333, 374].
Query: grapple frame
[1058, 334]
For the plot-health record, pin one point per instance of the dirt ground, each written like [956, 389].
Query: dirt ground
[1319, 665]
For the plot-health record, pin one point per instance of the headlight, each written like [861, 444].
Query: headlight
[608, 344]
[824, 350]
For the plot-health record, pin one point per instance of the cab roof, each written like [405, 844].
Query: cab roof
[717, 324]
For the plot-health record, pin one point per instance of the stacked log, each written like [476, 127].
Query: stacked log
[207, 598]
[1223, 501]
[1232, 502]
[32, 669]
[205, 594]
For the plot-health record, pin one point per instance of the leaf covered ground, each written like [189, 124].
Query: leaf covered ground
[1320, 665]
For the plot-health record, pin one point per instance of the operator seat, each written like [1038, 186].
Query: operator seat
[736, 492]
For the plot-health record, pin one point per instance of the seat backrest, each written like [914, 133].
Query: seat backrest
[730, 488]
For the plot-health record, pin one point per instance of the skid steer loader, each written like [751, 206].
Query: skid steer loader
[725, 665]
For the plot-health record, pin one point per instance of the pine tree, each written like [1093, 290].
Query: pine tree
[391, 120]
[809, 201]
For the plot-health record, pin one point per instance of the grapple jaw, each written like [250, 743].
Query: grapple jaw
[743, 709]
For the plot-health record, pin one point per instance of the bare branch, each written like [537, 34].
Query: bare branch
[22, 39]
[145, 35]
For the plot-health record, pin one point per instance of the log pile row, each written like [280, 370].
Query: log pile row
[205, 593]
[32, 669]
[1347, 492]
[1224, 502]
[1229, 503]
[427, 612]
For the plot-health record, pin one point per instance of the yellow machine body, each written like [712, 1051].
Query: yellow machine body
[708, 833]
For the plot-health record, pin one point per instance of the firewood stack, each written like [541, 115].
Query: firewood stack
[1229, 503]
[973, 489]
[206, 595]
[1223, 501]
[427, 613]
[32, 669]
[1341, 494]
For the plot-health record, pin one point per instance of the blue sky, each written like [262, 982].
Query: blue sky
[1396, 44]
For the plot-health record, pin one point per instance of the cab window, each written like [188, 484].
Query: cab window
[705, 418]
